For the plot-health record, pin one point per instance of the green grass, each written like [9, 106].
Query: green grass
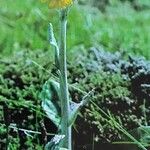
[23, 25]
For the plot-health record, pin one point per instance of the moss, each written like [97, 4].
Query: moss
[20, 83]
[110, 75]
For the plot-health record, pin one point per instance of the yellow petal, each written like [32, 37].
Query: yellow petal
[58, 3]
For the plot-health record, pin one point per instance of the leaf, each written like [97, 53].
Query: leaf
[53, 42]
[54, 144]
[74, 110]
[51, 101]
[75, 107]
[62, 148]
[52, 39]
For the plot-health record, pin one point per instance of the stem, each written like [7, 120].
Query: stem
[65, 128]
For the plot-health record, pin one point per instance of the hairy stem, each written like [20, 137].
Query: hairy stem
[65, 128]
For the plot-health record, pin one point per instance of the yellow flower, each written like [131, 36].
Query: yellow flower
[58, 3]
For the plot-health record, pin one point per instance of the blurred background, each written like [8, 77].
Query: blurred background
[117, 25]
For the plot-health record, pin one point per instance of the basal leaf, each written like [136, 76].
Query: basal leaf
[51, 101]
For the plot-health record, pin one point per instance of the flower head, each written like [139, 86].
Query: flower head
[58, 3]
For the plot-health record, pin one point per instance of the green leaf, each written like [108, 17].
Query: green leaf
[52, 39]
[74, 110]
[75, 107]
[53, 42]
[54, 144]
[51, 101]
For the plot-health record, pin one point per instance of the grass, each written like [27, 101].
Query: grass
[120, 28]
